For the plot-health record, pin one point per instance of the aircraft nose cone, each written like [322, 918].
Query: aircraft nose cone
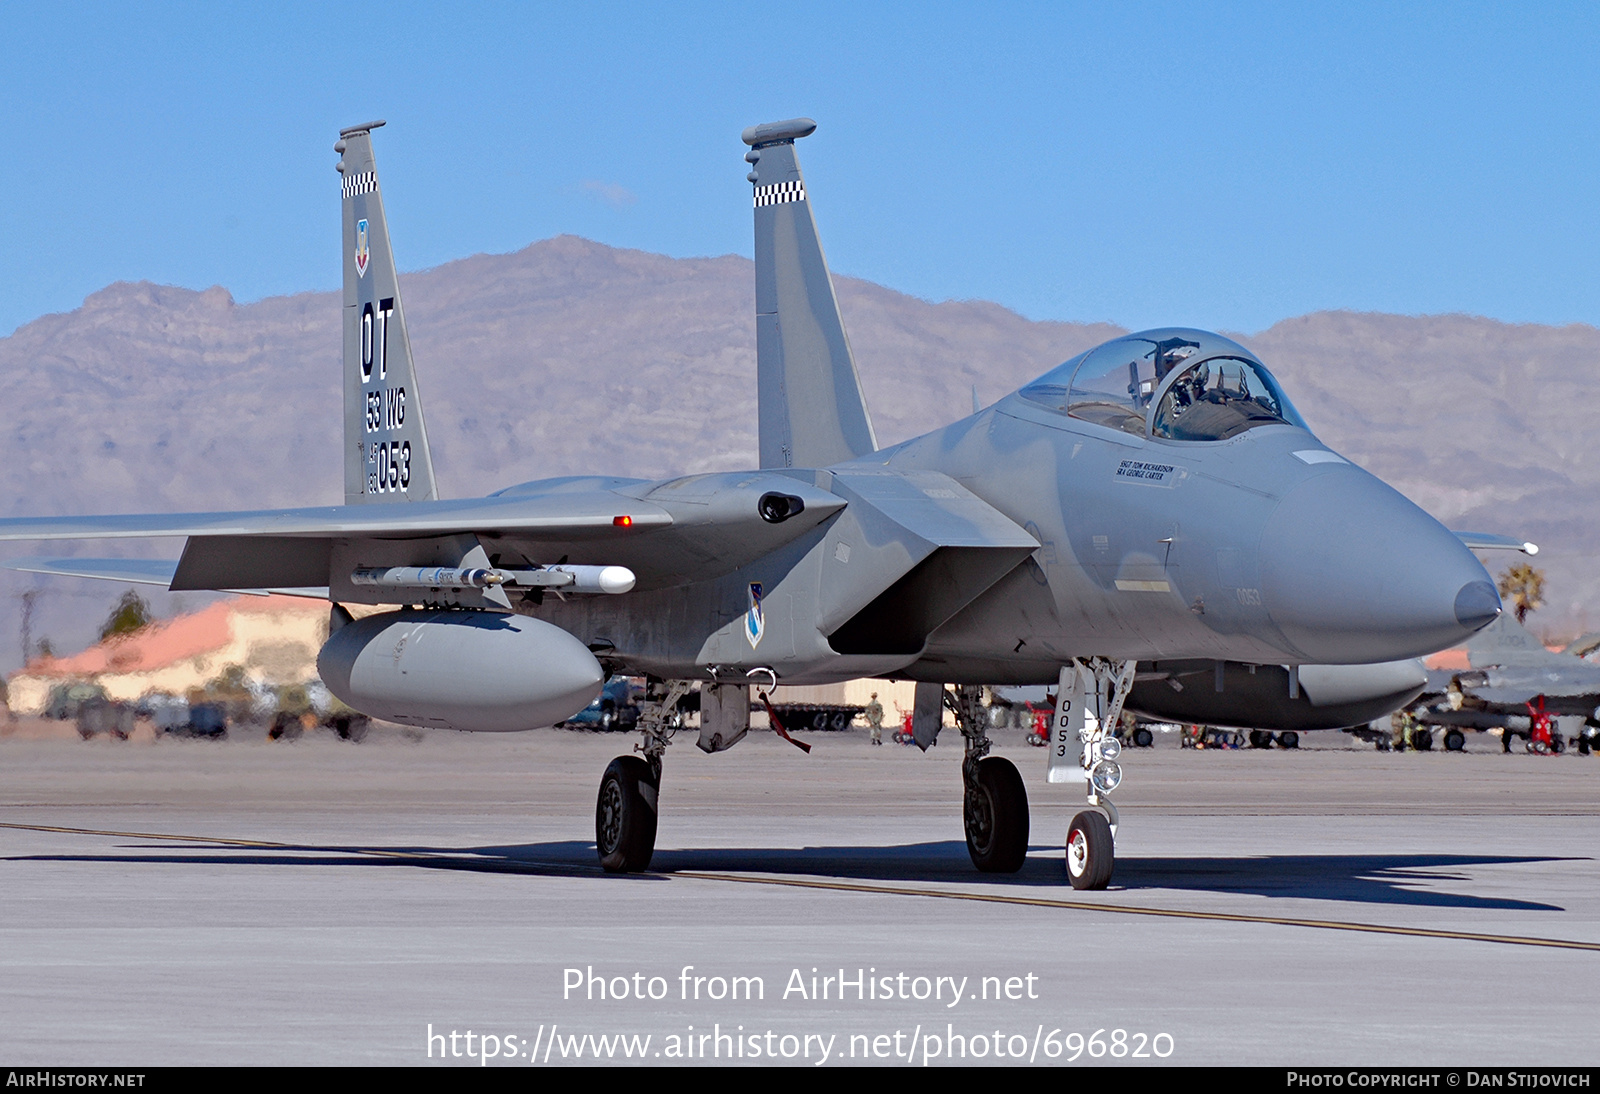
[1352, 572]
[1477, 604]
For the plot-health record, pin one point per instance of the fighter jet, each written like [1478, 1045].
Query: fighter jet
[1155, 499]
[1517, 686]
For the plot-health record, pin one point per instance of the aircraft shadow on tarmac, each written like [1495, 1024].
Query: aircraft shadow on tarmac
[1394, 879]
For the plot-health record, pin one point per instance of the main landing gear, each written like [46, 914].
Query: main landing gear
[994, 805]
[625, 814]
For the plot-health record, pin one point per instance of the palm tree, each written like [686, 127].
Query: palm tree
[1523, 586]
[131, 614]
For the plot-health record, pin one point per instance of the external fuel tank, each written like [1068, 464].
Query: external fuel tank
[457, 669]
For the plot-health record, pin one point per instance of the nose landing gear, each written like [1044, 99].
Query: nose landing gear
[1091, 838]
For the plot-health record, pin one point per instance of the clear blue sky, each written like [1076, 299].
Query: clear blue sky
[1224, 166]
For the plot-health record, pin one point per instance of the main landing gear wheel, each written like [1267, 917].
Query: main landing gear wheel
[625, 816]
[1455, 740]
[1091, 852]
[996, 815]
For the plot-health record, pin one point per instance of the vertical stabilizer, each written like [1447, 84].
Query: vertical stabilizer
[812, 413]
[1506, 642]
[385, 444]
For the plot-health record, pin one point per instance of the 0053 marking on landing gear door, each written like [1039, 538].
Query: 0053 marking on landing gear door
[1061, 765]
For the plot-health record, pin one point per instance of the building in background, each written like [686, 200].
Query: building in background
[273, 640]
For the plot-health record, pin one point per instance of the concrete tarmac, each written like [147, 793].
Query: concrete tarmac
[321, 902]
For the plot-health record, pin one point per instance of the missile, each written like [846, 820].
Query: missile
[426, 577]
[564, 578]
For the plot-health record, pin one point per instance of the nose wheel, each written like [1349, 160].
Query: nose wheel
[1091, 851]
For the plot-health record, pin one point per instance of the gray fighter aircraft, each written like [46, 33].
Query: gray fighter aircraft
[1155, 499]
[1513, 683]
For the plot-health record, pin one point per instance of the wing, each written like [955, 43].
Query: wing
[668, 533]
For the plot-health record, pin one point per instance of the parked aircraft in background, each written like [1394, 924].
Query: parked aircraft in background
[1517, 686]
[1157, 500]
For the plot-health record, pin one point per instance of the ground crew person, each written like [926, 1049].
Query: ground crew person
[1403, 727]
[875, 719]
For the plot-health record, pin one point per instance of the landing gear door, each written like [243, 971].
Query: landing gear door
[927, 714]
[724, 716]
[1065, 725]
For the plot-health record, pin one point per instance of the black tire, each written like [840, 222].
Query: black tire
[1143, 738]
[1289, 739]
[625, 816]
[819, 721]
[1091, 852]
[1455, 741]
[1422, 740]
[996, 816]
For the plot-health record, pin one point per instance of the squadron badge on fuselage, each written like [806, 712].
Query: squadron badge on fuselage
[754, 625]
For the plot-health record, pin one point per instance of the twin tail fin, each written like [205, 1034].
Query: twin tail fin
[386, 456]
[811, 410]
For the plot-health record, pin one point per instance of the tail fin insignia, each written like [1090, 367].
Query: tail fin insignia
[780, 192]
[364, 183]
[386, 457]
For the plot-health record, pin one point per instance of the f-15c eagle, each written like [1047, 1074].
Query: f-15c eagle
[1156, 501]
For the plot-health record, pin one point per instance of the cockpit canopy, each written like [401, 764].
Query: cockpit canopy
[1180, 385]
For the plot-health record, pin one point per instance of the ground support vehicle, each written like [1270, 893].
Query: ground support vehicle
[101, 715]
[616, 707]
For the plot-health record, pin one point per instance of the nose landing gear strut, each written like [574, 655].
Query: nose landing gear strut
[1081, 750]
